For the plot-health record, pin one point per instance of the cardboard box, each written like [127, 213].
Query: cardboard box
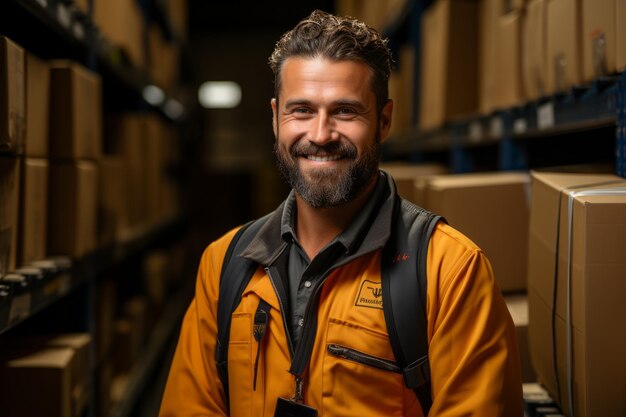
[564, 44]
[123, 24]
[599, 38]
[178, 17]
[38, 383]
[401, 88]
[12, 96]
[72, 201]
[125, 137]
[535, 59]
[406, 177]
[37, 111]
[492, 210]
[508, 88]
[79, 366]
[112, 204]
[595, 274]
[486, 53]
[9, 209]
[164, 59]
[75, 111]
[33, 210]
[518, 308]
[449, 61]
[620, 13]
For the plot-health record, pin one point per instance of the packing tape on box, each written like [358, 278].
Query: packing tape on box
[571, 196]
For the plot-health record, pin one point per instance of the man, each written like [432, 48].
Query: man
[319, 254]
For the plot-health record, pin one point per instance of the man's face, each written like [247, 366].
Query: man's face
[328, 132]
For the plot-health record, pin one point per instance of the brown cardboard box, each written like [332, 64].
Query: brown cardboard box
[80, 367]
[486, 53]
[72, 201]
[492, 210]
[125, 138]
[620, 13]
[599, 38]
[178, 17]
[518, 308]
[12, 96]
[37, 102]
[598, 268]
[33, 210]
[407, 175]
[508, 90]
[535, 62]
[38, 383]
[122, 23]
[163, 58]
[75, 111]
[449, 61]
[9, 209]
[564, 42]
[112, 204]
[401, 87]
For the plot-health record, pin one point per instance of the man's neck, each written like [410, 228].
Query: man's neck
[316, 227]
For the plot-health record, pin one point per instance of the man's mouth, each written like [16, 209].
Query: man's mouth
[326, 158]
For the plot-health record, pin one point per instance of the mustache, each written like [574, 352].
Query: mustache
[304, 148]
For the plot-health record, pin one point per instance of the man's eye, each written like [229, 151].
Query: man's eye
[345, 110]
[302, 110]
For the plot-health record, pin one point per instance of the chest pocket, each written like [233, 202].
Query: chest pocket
[359, 370]
[239, 364]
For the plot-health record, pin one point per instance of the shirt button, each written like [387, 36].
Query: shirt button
[301, 322]
[307, 284]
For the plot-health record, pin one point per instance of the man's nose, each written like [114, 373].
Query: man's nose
[323, 130]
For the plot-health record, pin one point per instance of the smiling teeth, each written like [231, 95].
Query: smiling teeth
[323, 158]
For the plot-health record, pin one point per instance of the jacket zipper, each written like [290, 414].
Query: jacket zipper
[363, 358]
[282, 312]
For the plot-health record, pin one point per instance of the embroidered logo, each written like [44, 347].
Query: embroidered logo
[370, 295]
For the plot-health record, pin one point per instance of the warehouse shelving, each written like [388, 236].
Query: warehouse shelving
[508, 135]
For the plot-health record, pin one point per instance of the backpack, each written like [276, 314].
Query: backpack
[403, 286]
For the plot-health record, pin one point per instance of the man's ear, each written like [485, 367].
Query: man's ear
[274, 117]
[385, 120]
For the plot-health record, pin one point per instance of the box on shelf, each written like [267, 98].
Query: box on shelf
[401, 87]
[72, 202]
[518, 308]
[12, 96]
[407, 178]
[599, 38]
[486, 54]
[564, 44]
[449, 62]
[620, 13]
[178, 17]
[508, 88]
[75, 111]
[37, 107]
[535, 62]
[33, 210]
[9, 212]
[112, 204]
[122, 23]
[163, 59]
[594, 272]
[47, 373]
[492, 210]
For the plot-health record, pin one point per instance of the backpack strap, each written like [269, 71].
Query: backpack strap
[235, 276]
[404, 285]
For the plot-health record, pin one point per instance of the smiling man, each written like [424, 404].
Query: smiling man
[307, 334]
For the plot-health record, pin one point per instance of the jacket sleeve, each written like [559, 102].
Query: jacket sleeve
[473, 353]
[193, 387]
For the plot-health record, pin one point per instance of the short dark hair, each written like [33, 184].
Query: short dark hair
[336, 38]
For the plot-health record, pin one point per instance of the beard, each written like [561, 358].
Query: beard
[328, 186]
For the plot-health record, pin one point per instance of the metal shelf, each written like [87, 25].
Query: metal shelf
[18, 301]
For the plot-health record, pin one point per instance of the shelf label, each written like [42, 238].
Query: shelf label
[545, 115]
[520, 125]
[475, 131]
[64, 16]
[20, 307]
[496, 127]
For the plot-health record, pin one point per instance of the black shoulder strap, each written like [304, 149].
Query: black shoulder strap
[404, 285]
[236, 274]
